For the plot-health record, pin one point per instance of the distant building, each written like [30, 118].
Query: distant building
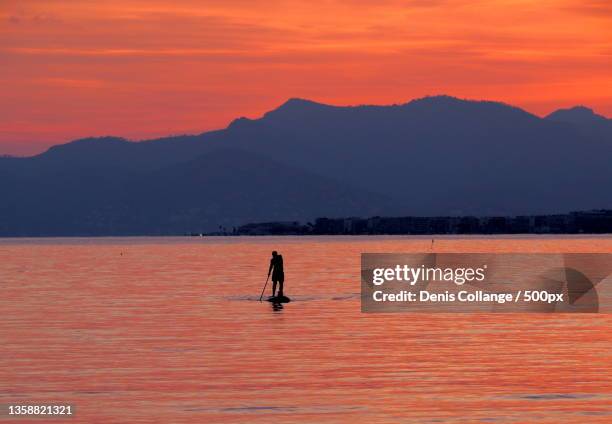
[272, 228]
[588, 222]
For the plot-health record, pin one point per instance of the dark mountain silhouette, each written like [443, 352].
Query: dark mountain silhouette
[222, 188]
[585, 121]
[225, 186]
[441, 155]
[576, 115]
[431, 156]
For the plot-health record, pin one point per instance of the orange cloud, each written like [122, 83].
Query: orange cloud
[148, 68]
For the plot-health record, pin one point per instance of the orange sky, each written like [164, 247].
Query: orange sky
[145, 68]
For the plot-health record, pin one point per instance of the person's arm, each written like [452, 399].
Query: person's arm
[271, 266]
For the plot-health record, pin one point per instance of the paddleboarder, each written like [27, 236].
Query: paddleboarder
[278, 275]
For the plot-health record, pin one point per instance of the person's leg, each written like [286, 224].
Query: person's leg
[273, 287]
[280, 286]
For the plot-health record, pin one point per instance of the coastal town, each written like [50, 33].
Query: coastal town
[582, 222]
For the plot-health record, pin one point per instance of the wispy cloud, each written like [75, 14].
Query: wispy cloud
[91, 66]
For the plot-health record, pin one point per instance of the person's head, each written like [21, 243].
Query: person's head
[274, 253]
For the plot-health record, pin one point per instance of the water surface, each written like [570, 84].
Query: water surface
[170, 330]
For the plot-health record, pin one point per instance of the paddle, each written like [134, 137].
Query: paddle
[264, 289]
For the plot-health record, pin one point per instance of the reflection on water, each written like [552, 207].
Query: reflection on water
[172, 330]
[277, 307]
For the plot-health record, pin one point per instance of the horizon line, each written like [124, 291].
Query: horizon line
[302, 99]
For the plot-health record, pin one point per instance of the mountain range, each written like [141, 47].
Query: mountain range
[432, 156]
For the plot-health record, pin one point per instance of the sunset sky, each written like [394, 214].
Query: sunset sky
[142, 69]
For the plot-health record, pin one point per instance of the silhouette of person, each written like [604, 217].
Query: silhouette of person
[278, 275]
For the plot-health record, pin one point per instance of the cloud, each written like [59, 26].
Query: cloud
[597, 8]
[105, 64]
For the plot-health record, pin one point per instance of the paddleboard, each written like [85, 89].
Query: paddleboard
[279, 299]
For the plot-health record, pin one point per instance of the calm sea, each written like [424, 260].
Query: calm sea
[169, 330]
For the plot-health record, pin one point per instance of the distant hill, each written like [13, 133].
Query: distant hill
[576, 115]
[432, 156]
[220, 188]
